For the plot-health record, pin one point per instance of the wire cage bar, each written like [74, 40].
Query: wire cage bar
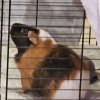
[1, 30]
[67, 23]
[9, 15]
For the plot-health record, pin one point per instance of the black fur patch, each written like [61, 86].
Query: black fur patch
[93, 75]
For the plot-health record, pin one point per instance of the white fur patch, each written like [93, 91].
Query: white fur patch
[44, 35]
[69, 90]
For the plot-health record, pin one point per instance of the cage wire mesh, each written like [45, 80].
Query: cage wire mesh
[65, 20]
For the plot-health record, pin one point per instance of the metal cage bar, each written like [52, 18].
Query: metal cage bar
[37, 13]
[7, 72]
[82, 50]
[2, 8]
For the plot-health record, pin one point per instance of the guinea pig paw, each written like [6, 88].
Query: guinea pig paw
[21, 91]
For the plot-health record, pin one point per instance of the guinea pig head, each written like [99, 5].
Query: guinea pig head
[19, 35]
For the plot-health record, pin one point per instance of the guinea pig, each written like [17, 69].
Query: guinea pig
[47, 68]
[52, 70]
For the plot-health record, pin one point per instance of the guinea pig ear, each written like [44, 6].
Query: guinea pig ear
[33, 37]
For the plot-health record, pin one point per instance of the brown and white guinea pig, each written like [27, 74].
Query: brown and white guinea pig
[19, 35]
[52, 70]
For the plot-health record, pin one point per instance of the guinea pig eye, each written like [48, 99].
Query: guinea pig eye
[25, 31]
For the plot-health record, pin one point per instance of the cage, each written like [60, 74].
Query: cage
[66, 22]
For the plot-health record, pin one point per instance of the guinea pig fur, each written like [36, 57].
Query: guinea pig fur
[52, 70]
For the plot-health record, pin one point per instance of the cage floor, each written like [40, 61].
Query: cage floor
[93, 94]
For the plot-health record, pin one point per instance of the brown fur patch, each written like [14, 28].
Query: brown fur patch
[31, 60]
